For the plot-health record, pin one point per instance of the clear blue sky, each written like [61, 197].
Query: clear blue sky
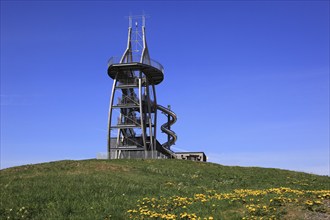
[249, 80]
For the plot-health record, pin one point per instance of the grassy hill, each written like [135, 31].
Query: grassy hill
[160, 189]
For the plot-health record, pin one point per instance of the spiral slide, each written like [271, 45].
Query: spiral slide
[166, 129]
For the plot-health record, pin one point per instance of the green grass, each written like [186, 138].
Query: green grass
[120, 189]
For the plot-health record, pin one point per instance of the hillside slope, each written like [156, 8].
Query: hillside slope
[163, 189]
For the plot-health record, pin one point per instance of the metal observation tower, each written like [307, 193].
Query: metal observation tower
[132, 120]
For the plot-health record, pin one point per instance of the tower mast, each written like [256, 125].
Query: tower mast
[133, 101]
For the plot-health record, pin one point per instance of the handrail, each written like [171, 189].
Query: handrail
[136, 59]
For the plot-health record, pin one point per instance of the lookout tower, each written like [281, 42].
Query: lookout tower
[132, 119]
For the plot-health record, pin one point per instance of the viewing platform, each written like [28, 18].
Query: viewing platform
[154, 71]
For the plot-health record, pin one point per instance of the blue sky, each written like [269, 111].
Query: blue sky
[249, 80]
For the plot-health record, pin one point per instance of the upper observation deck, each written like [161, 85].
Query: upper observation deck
[154, 71]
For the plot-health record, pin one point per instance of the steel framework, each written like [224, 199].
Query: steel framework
[132, 119]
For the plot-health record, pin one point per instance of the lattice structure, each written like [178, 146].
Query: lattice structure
[133, 104]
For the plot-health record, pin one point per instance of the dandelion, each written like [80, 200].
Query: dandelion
[254, 202]
[308, 202]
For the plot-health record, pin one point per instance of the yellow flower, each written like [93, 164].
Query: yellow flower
[308, 202]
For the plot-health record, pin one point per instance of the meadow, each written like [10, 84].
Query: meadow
[160, 189]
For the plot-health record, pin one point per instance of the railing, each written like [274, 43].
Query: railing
[133, 81]
[128, 100]
[129, 121]
[136, 59]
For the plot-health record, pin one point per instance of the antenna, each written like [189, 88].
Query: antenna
[142, 17]
[137, 47]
